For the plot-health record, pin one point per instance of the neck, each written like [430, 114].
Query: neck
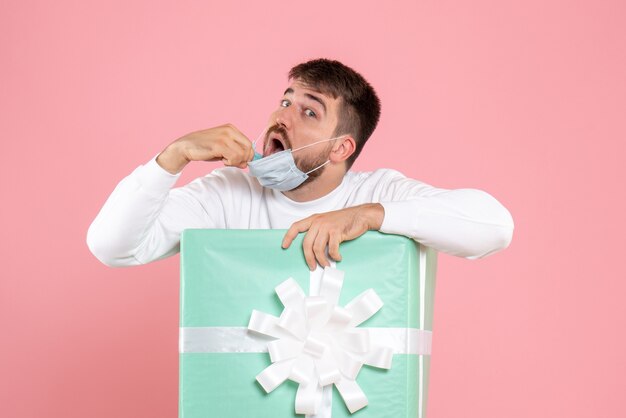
[328, 181]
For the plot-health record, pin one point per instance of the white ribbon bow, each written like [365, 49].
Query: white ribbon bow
[318, 343]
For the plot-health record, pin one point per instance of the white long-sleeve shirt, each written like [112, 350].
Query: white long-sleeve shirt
[143, 218]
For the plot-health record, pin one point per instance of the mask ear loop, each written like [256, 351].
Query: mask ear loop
[256, 154]
[327, 161]
[319, 166]
[318, 142]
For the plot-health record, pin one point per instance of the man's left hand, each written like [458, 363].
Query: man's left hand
[332, 228]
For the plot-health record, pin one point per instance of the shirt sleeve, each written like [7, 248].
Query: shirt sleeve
[467, 223]
[143, 218]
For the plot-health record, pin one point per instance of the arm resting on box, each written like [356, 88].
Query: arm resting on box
[467, 223]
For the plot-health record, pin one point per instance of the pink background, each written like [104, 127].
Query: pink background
[524, 99]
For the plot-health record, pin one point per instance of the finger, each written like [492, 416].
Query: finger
[319, 248]
[333, 246]
[294, 230]
[307, 247]
[240, 139]
[231, 146]
[234, 154]
[237, 136]
[250, 155]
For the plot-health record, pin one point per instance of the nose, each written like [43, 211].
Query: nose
[284, 116]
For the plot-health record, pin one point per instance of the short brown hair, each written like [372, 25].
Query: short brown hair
[359, 111]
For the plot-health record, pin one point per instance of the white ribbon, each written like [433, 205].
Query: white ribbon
[318, 343]
[240, 340]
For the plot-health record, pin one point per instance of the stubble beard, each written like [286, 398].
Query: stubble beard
[306, 164]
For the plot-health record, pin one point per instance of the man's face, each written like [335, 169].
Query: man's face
[304, 116]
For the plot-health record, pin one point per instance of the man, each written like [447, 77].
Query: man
[325, 117]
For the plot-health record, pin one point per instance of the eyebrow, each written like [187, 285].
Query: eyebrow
[309, 96]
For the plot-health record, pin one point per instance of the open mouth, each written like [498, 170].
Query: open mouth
[274, 145]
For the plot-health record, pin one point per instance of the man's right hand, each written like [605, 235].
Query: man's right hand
[225, 143]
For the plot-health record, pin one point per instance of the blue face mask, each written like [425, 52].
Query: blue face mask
[279, 171]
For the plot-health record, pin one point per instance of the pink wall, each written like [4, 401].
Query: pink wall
[526, 100]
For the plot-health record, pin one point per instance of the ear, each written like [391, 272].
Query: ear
[342, 149]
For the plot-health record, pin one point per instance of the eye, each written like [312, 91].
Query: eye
[285, 103]
[310, 113]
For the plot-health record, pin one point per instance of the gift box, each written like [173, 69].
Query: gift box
[234, 280]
